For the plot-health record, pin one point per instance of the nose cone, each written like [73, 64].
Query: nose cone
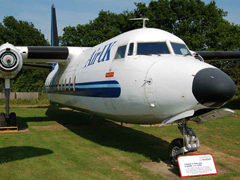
[212, 87]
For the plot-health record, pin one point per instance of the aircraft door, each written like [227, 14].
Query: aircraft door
[115, 69]
[149, 89]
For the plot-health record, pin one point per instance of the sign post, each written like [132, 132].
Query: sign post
[197, 165]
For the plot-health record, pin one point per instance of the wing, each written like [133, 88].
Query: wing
[12, 58]
[38, 66]
[44, 54]
[210, 56]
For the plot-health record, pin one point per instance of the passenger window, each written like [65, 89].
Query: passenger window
[69, 84]
[130, 50]
[65, 85]
[74, 84]
[120, 52]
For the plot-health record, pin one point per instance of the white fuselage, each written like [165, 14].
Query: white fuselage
[142, 89]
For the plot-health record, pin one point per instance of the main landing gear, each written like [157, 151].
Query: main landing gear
[7, 119]
[187, 145]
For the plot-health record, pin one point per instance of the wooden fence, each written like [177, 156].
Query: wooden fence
[21, 95]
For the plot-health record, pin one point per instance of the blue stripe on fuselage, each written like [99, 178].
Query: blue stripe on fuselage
[105, 89]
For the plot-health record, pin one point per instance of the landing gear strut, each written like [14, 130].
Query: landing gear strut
[188, 144]
[7, 119]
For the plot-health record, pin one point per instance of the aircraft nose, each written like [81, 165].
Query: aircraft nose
[212, 87]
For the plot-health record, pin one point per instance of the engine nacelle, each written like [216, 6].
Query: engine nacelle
[10, 61]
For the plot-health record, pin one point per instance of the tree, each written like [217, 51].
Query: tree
[23, 33]
[104, 27]
[20, 33]
[30, 80]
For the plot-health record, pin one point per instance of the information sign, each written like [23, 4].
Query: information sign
[197, 165]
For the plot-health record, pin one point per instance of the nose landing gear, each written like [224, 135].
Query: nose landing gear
[187, 145]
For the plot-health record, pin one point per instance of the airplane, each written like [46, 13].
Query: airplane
[143, 76]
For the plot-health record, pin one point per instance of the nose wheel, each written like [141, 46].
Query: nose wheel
[186, 145]
[174, 150]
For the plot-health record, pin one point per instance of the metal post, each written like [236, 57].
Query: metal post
[183, 123]
[7, 91]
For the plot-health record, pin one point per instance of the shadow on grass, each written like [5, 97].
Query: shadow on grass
[22, 121]
[15, 153]
[110, 134]
[105, 133]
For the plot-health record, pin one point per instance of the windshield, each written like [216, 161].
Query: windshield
[120, 52]
[180, 49]
[152, 48]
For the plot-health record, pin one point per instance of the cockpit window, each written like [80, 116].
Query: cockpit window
[120, 52]
[152, 48]
[130, 51]
[180, 49]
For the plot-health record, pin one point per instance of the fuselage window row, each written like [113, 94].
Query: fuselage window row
[62, 87]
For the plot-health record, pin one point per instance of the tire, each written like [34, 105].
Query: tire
[2, 120]
[175, 146]
[13, 119]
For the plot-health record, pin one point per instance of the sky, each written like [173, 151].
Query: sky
[73, 12]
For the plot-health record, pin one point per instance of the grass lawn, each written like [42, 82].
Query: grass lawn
[65, 144]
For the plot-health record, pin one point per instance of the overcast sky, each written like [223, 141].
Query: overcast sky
[73, 12]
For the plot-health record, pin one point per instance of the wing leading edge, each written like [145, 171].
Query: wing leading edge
[209, 56]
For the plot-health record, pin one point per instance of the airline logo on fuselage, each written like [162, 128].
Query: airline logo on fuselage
[101, 55]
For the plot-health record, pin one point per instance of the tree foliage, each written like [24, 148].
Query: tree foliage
[23, 33]
[104, 27]
[20, 33]
[30, 80]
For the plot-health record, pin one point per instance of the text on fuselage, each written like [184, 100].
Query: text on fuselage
[101, 55]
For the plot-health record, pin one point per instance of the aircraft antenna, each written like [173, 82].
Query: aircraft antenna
[144, 20]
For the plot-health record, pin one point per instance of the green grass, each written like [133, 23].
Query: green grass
[78, 147]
